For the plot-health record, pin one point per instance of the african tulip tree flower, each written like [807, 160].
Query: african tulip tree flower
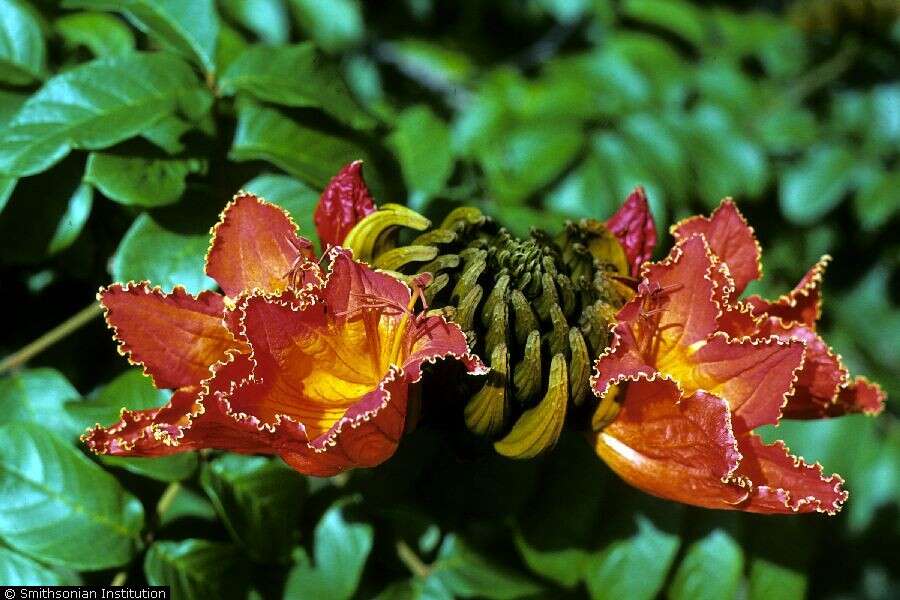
[310, 365]
[692, 372]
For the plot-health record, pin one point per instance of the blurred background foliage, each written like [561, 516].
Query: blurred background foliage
[125, 126]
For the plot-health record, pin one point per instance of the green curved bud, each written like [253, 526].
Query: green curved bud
[579, 367]
[486, 412]
[433, 288]
[527, 378]
[374, 233]
[468, 306]
[558, 338]
[498, 294]
[548, 297]
[475, 265]
[435, 237]
[496, 333]
[392, 260]
[462, 216]
[523, 317]
[441, 263]
[538, 428]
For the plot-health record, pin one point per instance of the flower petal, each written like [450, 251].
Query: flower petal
[783, 483]
[755, 377]
[730, 238]
[175, 337]
[803, 304]
[633, 226]
[861, 396]
[682, 449]
[254, 246]
[344, 202]
[674, 309]
[821, 377]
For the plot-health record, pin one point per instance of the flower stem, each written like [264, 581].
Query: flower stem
[168, 496]
[76, 321]
[412, 560]
[120, 579]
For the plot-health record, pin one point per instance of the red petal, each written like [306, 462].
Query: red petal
[682, 449]
[783, 483]
[802, 304]
[730, 238]
[176, 337]
[861, 396]
[755, 377]
[634, 228]
[673, 309]
[344, 202]
[254, 246]
[821, 377]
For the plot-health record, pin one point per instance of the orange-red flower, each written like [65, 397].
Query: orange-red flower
[345, 201]
[311, 365]
[693, 371]
[633, 226]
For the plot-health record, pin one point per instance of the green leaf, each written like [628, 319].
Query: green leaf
[267, 19]
[176, 467]
[813, 187]
[132, 389]
[17, 569]
[187, 504]
[335, 26]
[312, 156]
[196, 568]
[711, 569]
[75, 109]
[73, 220]
[22, 51]
[102, 34]
[39, 396]
[633, 568]
[341, 549]
[294, 196]
[189, 28]
[677, 16]
[294, 76]
[877, 200]
[139, 181]
[56, 500]
[150, 252]
[7, 185]
[259, 500]
[460, 572]
[525, 159]
[769, 581]
[423, 145]
[430, 61]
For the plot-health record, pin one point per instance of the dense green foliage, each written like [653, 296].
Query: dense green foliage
[125, 126]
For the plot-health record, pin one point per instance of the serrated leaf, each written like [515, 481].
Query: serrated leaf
[312, 156]
[22, 51]
[460, 572]
[102, 34]
[335, 25]
[296, 76]
[294, 196]
[711, 569]
[73, 220]
[341, 549]
[423, 146]
[55, 500]
[259, 500]
[196, 569]
[139, 181]
[39, 396]
[189, 28]
[75, 109]
[815, 185]
[150, 252]
[18, 569]
[635, 567]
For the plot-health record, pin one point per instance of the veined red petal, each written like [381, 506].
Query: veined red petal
[803, 304]
[254, 246]
[176, 337]
[731, 239]
[633, 226]
[682, 449]
[860, 396]
[344, 202]
[821, 377]
[783, 483]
